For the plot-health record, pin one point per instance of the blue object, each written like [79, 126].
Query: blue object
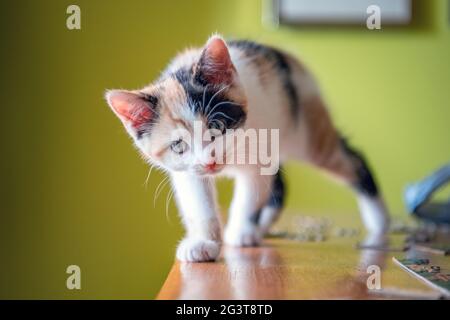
[417, 197]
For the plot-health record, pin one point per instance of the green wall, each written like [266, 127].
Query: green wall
[73, 187]
[388, 91]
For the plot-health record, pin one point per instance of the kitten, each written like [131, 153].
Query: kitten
[238, 85]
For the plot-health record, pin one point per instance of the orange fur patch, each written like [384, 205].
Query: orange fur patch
[324, 144]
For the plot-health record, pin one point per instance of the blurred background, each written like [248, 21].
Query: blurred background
[73, 187]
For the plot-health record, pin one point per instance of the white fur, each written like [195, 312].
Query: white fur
[196, 200]
[251, 190]
[267, 218]
[196, 250]
[373, 213]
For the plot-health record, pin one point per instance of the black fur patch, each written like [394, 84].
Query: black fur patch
[279, 61]
[276, 198]
[254, 219]
[278, 193]
[366, 182]
[210, 101]
[151, 99]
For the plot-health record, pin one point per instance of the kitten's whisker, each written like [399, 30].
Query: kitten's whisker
[168, 199]
[148, 177]
[215, 94]
[219, 104]
[204, 93]
[225, 116]
[159, 188]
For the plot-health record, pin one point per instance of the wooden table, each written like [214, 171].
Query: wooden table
[287, 269]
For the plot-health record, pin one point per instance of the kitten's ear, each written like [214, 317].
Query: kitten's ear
[133, 108]
[215, 65]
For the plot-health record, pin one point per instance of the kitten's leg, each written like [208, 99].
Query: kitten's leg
[251, 192]
[196, 200]
[371, 205]
[329, 151]
[272, 209]
[348, 165]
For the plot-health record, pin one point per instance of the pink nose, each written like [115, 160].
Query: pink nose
[210, 166]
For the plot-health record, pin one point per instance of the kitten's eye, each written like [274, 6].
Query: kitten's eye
[218, 126]
[179, 146]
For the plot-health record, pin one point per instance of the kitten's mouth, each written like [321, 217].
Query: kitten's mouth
[210, 171]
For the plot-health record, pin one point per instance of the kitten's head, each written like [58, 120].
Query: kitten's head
[201, 90]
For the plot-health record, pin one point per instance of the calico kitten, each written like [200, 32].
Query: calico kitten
[238, 85]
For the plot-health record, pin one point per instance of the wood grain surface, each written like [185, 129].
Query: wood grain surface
[286, 269]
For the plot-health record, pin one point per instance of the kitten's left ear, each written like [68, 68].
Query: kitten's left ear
[215, 65]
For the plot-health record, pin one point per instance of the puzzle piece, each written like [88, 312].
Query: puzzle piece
[441, 249]
[432, 275]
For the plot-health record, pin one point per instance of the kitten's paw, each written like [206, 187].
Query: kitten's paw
[198, 250]
[246, 236]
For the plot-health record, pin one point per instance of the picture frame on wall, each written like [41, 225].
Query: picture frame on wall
[337, 12]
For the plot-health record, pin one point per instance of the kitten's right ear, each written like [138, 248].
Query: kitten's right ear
[133, 108]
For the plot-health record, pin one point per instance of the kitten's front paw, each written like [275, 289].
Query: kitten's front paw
[198, 250]
[245, 236]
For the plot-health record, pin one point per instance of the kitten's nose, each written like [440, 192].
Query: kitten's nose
[210, 166]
